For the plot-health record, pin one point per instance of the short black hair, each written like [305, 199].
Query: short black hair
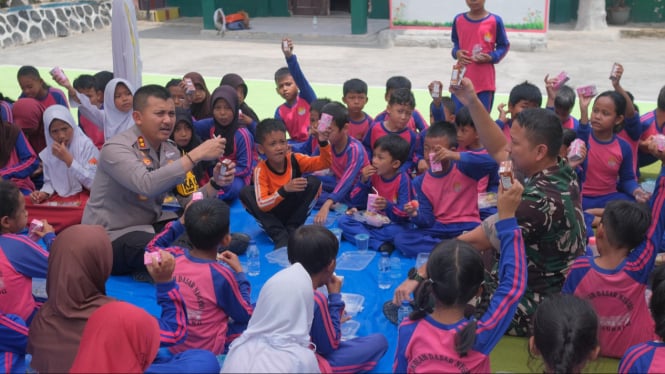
[396, 82]
[318, 104]
[207, 222]
[84, 82]
[102, 78]
[527, 92]
[661, 99]
[565, 98]
[267, 126]
[449, 104]
[28, 71]
[313, 246]
[443, 129]
[542, 127]
[338, 112]
[175, 82]
[9, 198]
[657, 304]
[568, 136]
[395, 145]
[626, 223]
[402, 96]
[151, 90]
[463, 118]
[354, 85]
[618, 100]
[281, 73]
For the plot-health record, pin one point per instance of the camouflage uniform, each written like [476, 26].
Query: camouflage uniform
[552, 223]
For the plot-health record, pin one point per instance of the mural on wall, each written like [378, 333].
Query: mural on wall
[517, 15]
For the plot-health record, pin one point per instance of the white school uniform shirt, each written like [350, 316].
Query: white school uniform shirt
[111, 120]
[58, 177]
[277, 337]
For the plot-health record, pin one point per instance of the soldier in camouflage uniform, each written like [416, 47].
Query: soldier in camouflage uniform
[550, 214]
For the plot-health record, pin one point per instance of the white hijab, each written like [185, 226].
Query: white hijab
[115, 121]
[56, 172]
[277, 337]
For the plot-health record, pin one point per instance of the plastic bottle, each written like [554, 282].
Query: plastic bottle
[404, 310]
[395, 268]
[384, 272]
[253, 259]
[592, 250]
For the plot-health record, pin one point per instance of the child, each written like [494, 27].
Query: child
[86, 85]
[608, 167]
[21, 258]
[184, 137]
[200, 100]
[178, 94]
[649, 357]
[416, 121]
[441, 108]
[561, 100]
[447, 198]
[34, 87]
[277, 338]
[627, 239]
[281, 198]
[349, 157]
[652, 123]
[17, 159]
[400, 108]
[565, 334]
[523, 96]
[445, 340]
[248, 117]
[213, 293]
[355, 98]
[310, 147]
[239, 142]
[479, 41]
[28, 115]
[294, 88]
[315, 248]
[70, 163]
[387, 178]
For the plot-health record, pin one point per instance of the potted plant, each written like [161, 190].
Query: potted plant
[618, 13]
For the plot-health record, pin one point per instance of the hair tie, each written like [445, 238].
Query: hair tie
[429, 280]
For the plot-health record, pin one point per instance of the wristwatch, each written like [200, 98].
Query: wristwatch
[413, 275]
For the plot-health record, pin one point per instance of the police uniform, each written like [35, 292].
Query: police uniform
[128, 191]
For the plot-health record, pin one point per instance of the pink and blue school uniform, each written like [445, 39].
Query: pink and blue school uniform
[13, 343]
[618, 295]
[358, 129]
[428, 346]
[397, 191]
[6, 113]
[649, 127]
[22, 163]
[631, 132]
[212, 292]
[648, 357]
[505, 127]
[447, 203]
[378, 130]
[21, 259]
[346, 167]
[490, 34]
[296, 116]
[309, 147]
[360, 354]
[54, 96]
[417, 122]
[571, 122]
[242, 155]
[488, 184]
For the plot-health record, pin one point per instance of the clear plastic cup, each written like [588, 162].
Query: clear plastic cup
[338, 235]
[421, 259]
[362, 242]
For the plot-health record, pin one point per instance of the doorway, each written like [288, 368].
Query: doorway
[319, 7]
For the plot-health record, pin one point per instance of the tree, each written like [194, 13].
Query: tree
[591, 15]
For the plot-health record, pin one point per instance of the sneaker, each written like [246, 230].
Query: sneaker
[239, 243]
[387, 247]
[390, 311]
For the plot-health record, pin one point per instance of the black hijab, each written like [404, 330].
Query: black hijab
[228, 94]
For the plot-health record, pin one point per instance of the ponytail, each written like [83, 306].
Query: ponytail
[566, 353]
[657, 304]
[465, 338]
[421, 300]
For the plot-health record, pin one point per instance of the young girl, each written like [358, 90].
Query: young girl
[200, 99]
[70, 163]
[33, 86]
[28, 116]
[239, 141]
[609, 158]
[184, 137]
[565, 331]
[649, 357]
[17, 159]
[21, 259]
[116, 115]
[248, 117]
[445, 340]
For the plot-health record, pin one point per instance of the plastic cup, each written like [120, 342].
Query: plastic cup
[371, 198]
[338, 235]
[421, 259]
[362, 242]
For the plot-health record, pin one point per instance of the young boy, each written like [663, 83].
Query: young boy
[400, 108]
[310, 147]
[447, 198]
[281, 198]
[416, 122]
[213, 293]
[177, 94]
[355, 98]
[652, 124]
[615, 282]
[523, 96]
[561, 100]
[442, 108]
[348, 158]
[294, 88]
[479, 41]
[86, 85]
[315, 248]
[386, 177]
